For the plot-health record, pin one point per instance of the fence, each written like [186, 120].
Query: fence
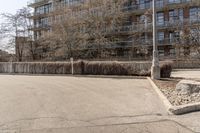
[140, 68]
[80, 67]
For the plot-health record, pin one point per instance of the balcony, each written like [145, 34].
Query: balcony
[178, 23]
[167, 41]
[159, 5]
[33, 3]
[135, 27]
[34, 15]
[39, 27]
[132, 43]
[142, 27]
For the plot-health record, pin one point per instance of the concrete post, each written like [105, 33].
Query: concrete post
[155, 69]
[11, 67]
[72, 65]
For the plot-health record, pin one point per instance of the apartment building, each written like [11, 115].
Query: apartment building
[174, 18]
[42, 10]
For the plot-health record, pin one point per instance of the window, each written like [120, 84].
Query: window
[42, 22]
[174, 1]
[159, 3]
[47, 8]
[174, 37]
[129, 5]
[43, 9]
[161, 37]
[144, 4]
[194, 14]
[160, 18]
[176, 15]
[74, 1]
[172, 52]
[161, 51]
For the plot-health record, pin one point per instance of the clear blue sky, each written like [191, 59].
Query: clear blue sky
[12, 6]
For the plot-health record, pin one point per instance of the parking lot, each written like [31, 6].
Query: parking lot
[83, 104]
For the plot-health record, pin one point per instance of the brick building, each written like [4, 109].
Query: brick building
[174, 19]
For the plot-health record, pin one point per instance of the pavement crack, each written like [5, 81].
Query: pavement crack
[125, 116]
[109, 125]
[38, 118]
[9, 126]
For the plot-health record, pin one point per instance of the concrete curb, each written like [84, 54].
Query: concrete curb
[176, 110]
[183, 109]
[76, 75]
[166, 102]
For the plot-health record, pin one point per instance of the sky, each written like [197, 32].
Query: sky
[11, 6]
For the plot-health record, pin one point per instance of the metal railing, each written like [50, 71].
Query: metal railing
[130, 44]
[37, 14]
[39, 26]
[142, 27]
[178, 23]
[159, 4]
[128, 28]
[30, 2]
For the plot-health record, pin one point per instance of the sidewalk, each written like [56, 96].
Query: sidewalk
[186, 73]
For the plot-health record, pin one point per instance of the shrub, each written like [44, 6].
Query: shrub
[104, 68]
[80, 67]
[137, 68]
[166, 69]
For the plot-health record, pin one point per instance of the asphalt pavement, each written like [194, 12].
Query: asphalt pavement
[60, 104]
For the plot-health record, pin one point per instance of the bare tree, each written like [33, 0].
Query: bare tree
[101, 21]
[15, 28]
[195, 40]
[87, 26]
[188, 40]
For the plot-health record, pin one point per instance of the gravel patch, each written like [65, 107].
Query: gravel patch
[167, 86]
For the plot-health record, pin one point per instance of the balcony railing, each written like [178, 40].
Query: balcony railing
[39, 26]
[178, 23]
[129, 28]
[37, 14]
[130, 44]
[124, 8]
[138, 27]
[31, 2]
[142, 27]
[159, 4]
